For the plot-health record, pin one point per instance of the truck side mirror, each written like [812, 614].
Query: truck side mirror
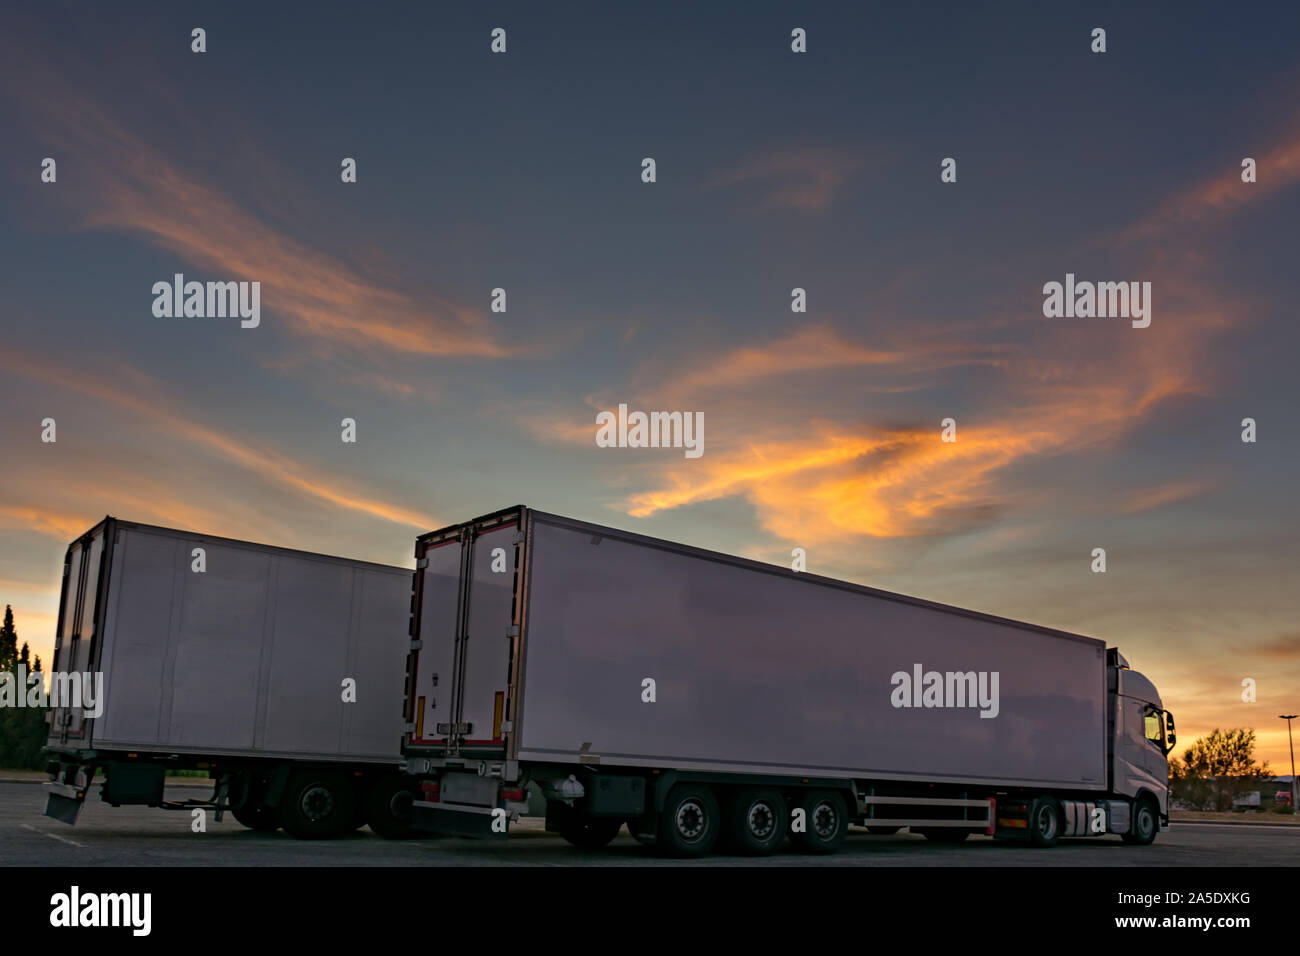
[1171, 738]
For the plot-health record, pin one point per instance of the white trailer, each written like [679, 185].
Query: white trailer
[693, 695]
[278, 671]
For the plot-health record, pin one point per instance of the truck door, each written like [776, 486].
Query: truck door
[466, 633]
[76, 637]
[485, 648]
[437, 626]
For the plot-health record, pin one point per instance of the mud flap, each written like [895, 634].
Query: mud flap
[457, 820]
[62, 808]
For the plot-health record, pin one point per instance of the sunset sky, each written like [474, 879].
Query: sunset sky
[775, 170]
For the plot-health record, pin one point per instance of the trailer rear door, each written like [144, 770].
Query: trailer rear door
[466, 633]
[76, 640]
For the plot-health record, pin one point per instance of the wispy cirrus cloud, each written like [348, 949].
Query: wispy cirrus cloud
[804, 178]
[1148, 499]
[1220, 196]
[151, 402]
[133, 187]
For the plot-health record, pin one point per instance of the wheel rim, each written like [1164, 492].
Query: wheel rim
[399, 806]
[691, 820]
[1146, 821]
[317, 802]
[1046, 822]
[825, 820]
[762, 821]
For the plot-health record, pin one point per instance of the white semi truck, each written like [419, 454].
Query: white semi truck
[695, 696]
[277, 671]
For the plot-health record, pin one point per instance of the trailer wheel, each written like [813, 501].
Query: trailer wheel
[943, 834]
[690, 822]
[1146, 823]
[245, 799]
[826, 822]
[257, 817]
[645, 839]
[388, 807]
[316, 805]
[1044, 822]
[587, 833]
[756, 820]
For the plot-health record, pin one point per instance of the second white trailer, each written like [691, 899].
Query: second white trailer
[278, 671]
[630, 677]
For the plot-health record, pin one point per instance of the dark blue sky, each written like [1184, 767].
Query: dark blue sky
[775, 170]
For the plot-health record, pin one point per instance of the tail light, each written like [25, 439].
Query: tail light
[516, 794]
[430, 789]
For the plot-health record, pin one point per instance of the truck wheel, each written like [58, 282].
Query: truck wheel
[257, 817]
[316, 805]
[826, 822]
[1044, 822]
[587, 833]
[755, 823]
[944, 834]
[388, 807]
[645, 839]
[1146, 823]
[690, 821]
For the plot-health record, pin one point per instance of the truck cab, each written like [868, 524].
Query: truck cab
[1141, 738]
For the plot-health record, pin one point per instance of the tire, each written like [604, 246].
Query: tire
[1044, 822]
[826, 822]
[359, 819]
[257, 817]
[883, 831]
[317, 805]
[388, 804]
[588, 833]
[944, 834]
[756, 821]
[1146, 824]
[645, 840]
[691, 820]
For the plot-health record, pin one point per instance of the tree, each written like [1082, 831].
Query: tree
[8, 642]
[1217, 769]
[23, 730]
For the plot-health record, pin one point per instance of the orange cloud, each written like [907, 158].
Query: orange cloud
[813, 482]
[817, 348]
[1168, 493]
[151, 402]
[1216, 198]
[59, 524]
[132, 187]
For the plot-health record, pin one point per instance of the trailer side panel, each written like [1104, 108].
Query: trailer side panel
[762, 670]
[249, 656]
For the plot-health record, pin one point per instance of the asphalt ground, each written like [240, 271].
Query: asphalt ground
[149, 837]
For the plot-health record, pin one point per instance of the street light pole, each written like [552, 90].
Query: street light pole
[1295, 785]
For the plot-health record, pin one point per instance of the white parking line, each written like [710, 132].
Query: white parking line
[53, 836]
[1235, 826]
